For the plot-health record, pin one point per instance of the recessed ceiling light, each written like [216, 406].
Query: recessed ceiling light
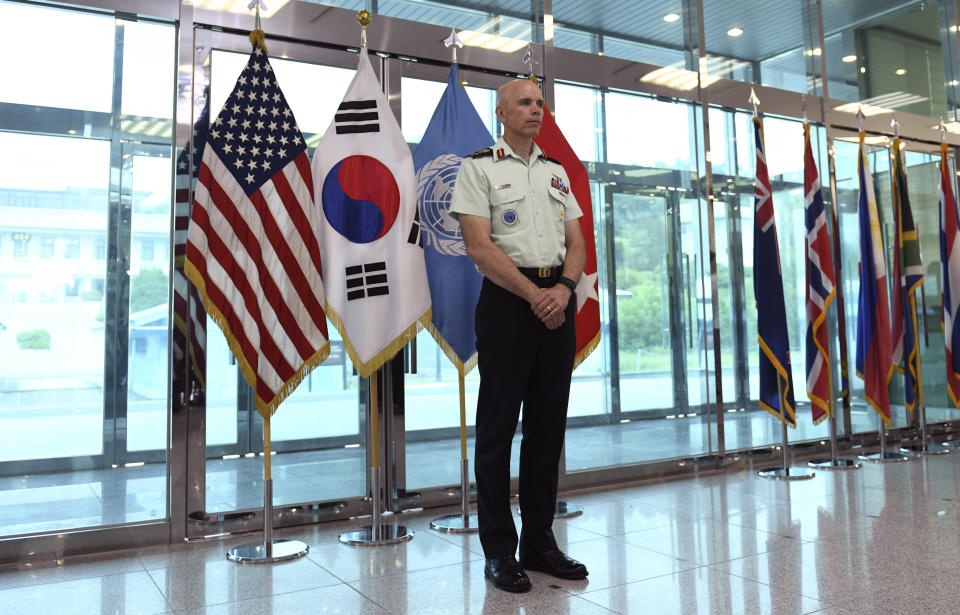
[863, 69]
[901, 71]
[849, 58]
[735, 31]
[671, 17]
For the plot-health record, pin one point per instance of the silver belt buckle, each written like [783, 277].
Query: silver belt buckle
[544, 272]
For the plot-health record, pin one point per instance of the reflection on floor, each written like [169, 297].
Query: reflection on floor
[884, 539]
[44, 502]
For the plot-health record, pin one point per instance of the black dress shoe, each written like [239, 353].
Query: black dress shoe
[506, 574]
[554, 563]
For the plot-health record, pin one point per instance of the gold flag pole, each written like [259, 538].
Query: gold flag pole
[463, 522]
[376, 533]
[268, 551]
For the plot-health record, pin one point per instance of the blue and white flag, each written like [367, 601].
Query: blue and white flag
[455, 130]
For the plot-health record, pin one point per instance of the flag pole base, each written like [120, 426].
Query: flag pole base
[925, 449]
[463, 523]
[377, 533]
[456, 524]
[839, 464]
[389, 534]
[565, 510]
[888, 457]
[789, 473]
[267, 551]
[261, 553]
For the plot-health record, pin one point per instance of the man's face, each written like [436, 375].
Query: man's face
[521, 109]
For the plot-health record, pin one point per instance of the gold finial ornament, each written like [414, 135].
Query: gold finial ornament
[364, 18]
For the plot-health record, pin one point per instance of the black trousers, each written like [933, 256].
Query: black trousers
[520, 362]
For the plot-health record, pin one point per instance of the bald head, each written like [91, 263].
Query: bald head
[520, 110]
[509, 89]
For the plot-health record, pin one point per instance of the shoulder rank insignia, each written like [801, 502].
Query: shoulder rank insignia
[557, 182]
[500, 153]
[482, 153]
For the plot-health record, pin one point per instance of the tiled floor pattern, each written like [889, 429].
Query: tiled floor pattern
[63, 500]
[884, 539]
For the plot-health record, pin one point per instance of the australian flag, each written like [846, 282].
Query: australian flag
[455, 130]
[776, 380]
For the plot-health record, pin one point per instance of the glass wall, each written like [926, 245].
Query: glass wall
[86, 259]
[85, 200]
[649, 33]
[320, 432]
[889, 55]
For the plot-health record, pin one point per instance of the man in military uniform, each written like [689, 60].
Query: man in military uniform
[519, 222]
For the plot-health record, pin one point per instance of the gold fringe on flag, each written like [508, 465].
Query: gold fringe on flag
[463, 368]
[266, 408]
[391, 349]
[586, 350]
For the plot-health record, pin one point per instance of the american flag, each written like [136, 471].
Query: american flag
[185, 312]
[950, 268]
[820, 288]
[776, 379]
[252, 243]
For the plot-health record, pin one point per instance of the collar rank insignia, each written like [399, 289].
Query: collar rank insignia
[500, 153]
[557, 182]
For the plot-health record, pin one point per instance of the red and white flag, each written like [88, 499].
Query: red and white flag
[252, 243]
[587, 323]
[188, 315]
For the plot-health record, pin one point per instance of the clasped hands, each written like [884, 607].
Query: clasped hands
[549, 303]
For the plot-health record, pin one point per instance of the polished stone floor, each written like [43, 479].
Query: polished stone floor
[884, 539]
[43, 502]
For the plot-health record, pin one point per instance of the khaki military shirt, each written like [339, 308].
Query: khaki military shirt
[527, 205]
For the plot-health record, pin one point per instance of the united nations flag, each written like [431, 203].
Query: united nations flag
[455, 130]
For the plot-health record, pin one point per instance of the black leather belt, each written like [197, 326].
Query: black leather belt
[535, 273]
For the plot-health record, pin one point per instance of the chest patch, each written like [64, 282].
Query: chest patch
[509, 217]
[557, 182]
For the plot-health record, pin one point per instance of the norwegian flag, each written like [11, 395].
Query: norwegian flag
[950, 268]
[874, 353]
[183, 290]
[252, 242]
[820, 288]
[776, 379]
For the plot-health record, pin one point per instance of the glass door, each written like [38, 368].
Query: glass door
[318, 433]
[83, 367]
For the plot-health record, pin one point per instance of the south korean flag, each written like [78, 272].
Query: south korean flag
[365, 189]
